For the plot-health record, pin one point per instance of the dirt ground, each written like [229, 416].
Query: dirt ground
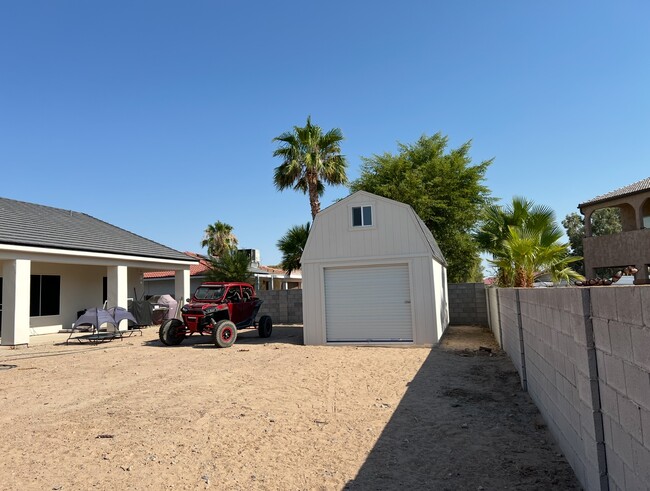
[270, 414]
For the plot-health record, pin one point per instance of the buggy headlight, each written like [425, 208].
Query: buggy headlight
[185, 309]
[210, 310]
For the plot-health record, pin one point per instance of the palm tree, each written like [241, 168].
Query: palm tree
[219, 239]
[496, 220]
[231, 265]
[524, 241]
[309, 159]
[292, 245]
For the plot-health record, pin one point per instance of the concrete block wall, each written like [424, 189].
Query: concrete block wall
[510, 329]
[584, 356]
[284, 306]
[493, 313]
[561, 375]
[621, 320]
[467, 304]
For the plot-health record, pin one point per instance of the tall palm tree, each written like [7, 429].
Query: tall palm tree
[292, 245]
[219, 239]
[309, 159]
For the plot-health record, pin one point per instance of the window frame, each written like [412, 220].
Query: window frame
[36, 304]
[361, 207]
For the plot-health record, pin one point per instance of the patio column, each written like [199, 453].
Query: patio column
[16, 284]
[587, 223]
[117, 287]
[639, 216]
[182, 286]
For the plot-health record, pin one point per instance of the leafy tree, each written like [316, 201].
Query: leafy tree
[219, 239]
[309, 159]
[231, 265]
[524, 241]
[443, 189]
[603, 222]
[292, 245]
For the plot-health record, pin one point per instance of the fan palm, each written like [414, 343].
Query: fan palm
[309, 159]
[524, 241]
[219, 239]
[292, 245]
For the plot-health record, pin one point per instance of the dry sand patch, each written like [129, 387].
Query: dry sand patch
[269, 414]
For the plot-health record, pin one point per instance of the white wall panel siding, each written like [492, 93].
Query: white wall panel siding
[368, 304]
[352, 276]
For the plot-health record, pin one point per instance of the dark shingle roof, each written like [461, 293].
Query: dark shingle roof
[29, 224]
[637, 187]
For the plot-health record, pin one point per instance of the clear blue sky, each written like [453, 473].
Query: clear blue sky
[158, 116]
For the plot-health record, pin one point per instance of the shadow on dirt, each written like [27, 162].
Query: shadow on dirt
[246, 337]
[464, 423]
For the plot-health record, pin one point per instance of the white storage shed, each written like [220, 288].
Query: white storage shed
[373, 274]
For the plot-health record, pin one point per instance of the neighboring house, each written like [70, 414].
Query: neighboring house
[264, 277]
[55, 262]
[631, 247]
[373, 274]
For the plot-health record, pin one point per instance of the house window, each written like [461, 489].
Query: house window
[45, 295]
[362, 216]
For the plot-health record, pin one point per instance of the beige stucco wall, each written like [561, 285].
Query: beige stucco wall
[618, 250]
[81, 287]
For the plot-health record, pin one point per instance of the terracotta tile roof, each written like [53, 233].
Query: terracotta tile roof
[204, 266]
[637, 187]
[195, 269]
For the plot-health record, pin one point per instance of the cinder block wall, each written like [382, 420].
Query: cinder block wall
[493, 313]
[557, 335]
[621, 320]
[284, 306]
[584, 356]
[467, 304]
[510, 335]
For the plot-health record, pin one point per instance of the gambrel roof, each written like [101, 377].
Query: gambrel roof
[421, 233]
[29, 224]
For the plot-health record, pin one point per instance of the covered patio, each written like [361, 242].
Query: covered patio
[55, 263]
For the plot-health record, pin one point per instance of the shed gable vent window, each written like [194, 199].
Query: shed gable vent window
[362, 216]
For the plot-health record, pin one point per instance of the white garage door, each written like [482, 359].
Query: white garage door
[367, 304]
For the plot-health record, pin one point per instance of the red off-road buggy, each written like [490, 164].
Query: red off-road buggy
[217, 309]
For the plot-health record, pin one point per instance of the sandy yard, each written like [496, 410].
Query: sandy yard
[270, 414]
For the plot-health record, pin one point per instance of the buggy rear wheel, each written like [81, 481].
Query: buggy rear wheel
[171, 332]
[265, 326]
[224, 333]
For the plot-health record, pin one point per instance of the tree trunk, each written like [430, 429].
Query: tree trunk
[520, 278]
[314, 200]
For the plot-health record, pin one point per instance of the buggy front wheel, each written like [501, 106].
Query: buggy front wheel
[224, 333]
